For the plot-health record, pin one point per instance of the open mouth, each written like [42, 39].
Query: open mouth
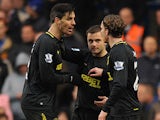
[71, 29]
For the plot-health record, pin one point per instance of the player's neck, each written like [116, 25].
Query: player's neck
[101, 54]
[113, 41]
[55, 31]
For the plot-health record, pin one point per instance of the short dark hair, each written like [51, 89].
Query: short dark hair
[59, 10]
[93, 29]
[114, 24]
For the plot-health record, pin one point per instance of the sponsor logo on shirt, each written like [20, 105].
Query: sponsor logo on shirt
[95, 83]
[118, 65]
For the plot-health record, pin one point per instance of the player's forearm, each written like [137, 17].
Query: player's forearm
[116, 92]
[60, 78]
[72, 55]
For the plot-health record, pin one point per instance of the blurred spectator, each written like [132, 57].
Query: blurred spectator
[37, 5]
[146, 97]
[139, 8]
[156, 106]
[133, 32]
[25, 12]
[155, 28]
[5, 44]
[39, 22]
[3, 73]
[145, 94]
[6, 6]
[5, 106]
[13, 85]
[17, 18]
[5, 41]
[149, 62]
[28, 38]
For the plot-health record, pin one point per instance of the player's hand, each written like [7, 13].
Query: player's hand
[94, 72]
[102, 101]
[102, 115]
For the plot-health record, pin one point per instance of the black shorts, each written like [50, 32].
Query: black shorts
[39, 115]
[132, 117]
[84, 114]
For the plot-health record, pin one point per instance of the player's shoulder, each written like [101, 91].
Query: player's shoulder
[46, 38]
[43, 35]
[118, 48]
[122, 49]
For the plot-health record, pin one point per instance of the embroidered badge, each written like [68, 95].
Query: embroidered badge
[48, 58]
[118, 65]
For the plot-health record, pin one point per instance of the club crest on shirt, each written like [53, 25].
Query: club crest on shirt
[118, 65]
[48, 58]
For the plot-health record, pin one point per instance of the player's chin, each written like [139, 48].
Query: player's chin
[94, 52]
[69, 33]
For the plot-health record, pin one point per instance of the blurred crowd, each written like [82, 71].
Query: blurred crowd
[22, 21]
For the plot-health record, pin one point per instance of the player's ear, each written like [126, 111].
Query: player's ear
[56, 20]
[106, 32]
